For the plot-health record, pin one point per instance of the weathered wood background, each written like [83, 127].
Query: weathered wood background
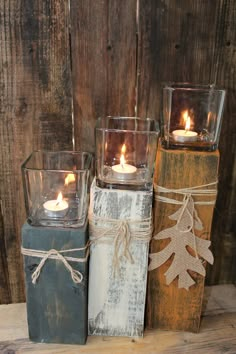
[64, 63]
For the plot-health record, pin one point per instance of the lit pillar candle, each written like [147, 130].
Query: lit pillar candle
[183, 136]
[124, 171]
[57, 207]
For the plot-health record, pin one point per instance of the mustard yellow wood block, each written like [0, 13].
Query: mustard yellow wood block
[167, 306]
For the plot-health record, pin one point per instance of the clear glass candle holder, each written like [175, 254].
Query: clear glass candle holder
[56, 187]
[191, 117]
[125, 152]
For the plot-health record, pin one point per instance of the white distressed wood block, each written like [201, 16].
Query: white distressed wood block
[117, 304]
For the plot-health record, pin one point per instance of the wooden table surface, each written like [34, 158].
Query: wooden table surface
[217, 333]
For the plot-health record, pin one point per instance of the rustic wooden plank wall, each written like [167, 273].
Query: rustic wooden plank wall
[177, 41]
[119, 53]
[224, 222]
[103, 42]
[195, 41]
[35, 109]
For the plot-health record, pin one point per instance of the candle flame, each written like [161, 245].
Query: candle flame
[185, 116]
[123, 149]
[69, 178]
[59, 198]
[122, 157]
[188, 123]
[122, 160]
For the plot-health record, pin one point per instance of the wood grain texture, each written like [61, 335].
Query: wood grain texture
[35, 106]
[103, 42]
[194, 41]
[167, 306]
[217, 333]
[57, 307]
[176, 43]
[224, 226]
[117, 303]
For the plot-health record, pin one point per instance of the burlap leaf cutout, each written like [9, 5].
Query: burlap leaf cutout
[181, 236]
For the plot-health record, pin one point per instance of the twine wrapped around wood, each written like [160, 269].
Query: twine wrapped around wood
[121, 233]
[182, 234]
[76, 275]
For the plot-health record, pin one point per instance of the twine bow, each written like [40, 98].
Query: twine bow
[121, 233]
[76, 275]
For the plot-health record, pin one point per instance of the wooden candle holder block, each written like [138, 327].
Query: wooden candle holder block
[56, 305]
[117, 303]
[169, 307]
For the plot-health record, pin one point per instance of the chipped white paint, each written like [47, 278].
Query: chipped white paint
[116, 304]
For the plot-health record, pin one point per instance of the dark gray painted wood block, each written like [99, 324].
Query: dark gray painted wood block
[57, 307]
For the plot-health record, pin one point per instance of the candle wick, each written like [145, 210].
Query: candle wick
[58, 203]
